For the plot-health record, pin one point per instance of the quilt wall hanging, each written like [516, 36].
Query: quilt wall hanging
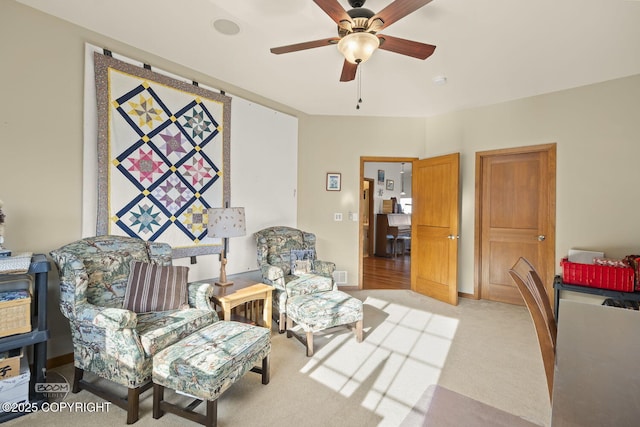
[163, 156]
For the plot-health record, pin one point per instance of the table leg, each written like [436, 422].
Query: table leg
[266, 310]
[226, 310]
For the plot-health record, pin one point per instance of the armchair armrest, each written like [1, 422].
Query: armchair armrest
[273, 275]
[111, 318]
[324, 268]
[200, 294]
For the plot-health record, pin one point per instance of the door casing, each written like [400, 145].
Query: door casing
[363, 160]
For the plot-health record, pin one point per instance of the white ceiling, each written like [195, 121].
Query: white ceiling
[490, 51]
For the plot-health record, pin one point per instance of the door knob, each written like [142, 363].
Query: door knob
[541, 238]
[452, 237]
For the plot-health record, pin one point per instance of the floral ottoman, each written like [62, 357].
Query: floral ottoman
[323, 310]
[206, 363]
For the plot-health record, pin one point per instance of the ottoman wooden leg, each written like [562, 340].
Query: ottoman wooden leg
[266, 376]
[309, 344]
[358, 331]
[158, 397]
[211, 417]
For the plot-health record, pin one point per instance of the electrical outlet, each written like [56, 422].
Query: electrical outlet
[337, 216]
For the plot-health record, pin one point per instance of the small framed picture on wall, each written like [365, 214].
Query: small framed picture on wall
[390, 184]
[333, 181]
[380, 176]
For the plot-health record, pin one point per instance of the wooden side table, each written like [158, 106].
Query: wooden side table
[234, 296]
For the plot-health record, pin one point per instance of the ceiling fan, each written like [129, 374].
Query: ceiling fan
[357, 33]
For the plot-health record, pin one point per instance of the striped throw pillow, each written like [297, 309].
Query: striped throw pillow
[152, 287]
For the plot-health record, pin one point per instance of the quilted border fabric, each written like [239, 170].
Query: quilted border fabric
[163, 156]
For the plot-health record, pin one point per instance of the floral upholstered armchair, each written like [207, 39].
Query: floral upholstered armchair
[97, 275]
[287, 260]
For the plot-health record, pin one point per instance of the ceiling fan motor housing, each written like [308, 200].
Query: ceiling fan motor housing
[359, 21]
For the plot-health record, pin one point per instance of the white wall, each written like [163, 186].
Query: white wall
[263, 181]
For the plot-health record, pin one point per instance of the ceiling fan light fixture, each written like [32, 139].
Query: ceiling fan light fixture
[358, 47]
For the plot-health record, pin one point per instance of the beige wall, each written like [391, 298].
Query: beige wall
[335, 144]
[597, 131]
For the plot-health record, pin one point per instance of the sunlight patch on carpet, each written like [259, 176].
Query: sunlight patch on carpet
[403, 353]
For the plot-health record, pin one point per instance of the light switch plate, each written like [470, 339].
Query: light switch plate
[337, 216]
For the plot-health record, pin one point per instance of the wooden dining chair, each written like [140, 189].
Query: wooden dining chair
[535, 297]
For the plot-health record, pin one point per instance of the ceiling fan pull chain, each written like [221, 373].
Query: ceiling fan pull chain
[359, 87]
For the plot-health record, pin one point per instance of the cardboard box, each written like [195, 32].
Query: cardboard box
[10, 363]
[583, 257]
[16, 389]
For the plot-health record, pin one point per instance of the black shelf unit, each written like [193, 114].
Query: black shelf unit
[38, 336]
[559, 285]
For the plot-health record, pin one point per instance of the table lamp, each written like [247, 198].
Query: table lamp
[224, 223]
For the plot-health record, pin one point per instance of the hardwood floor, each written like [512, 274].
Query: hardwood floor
[386, 273]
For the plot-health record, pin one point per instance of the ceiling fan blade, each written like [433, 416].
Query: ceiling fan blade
[334, 10]
[305, 45]
[348, 71]
[398, 10]
[406, 47]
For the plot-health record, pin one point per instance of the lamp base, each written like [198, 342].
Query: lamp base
[223, 283]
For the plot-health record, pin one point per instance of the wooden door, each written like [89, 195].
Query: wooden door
[434, 227]
[516, 208]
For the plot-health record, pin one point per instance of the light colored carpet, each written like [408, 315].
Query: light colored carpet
[480, 349]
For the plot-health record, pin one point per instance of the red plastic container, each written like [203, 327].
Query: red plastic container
[598, 276]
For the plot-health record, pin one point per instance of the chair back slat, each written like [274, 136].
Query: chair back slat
[537, 301]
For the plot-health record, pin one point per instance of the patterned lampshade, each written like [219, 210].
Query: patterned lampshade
[226, 222]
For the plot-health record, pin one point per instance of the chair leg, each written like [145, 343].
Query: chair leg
[77, 377]
[288, 327]
[282, 323]
[130, 403]
[133, 401]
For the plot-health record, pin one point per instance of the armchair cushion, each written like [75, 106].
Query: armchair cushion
[115, 318]
[152, 287]
[159, 330]
[308, 284]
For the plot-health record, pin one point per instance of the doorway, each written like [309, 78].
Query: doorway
[382, 178]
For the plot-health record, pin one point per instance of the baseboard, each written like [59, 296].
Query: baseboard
[466, 295]
[58, 361]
